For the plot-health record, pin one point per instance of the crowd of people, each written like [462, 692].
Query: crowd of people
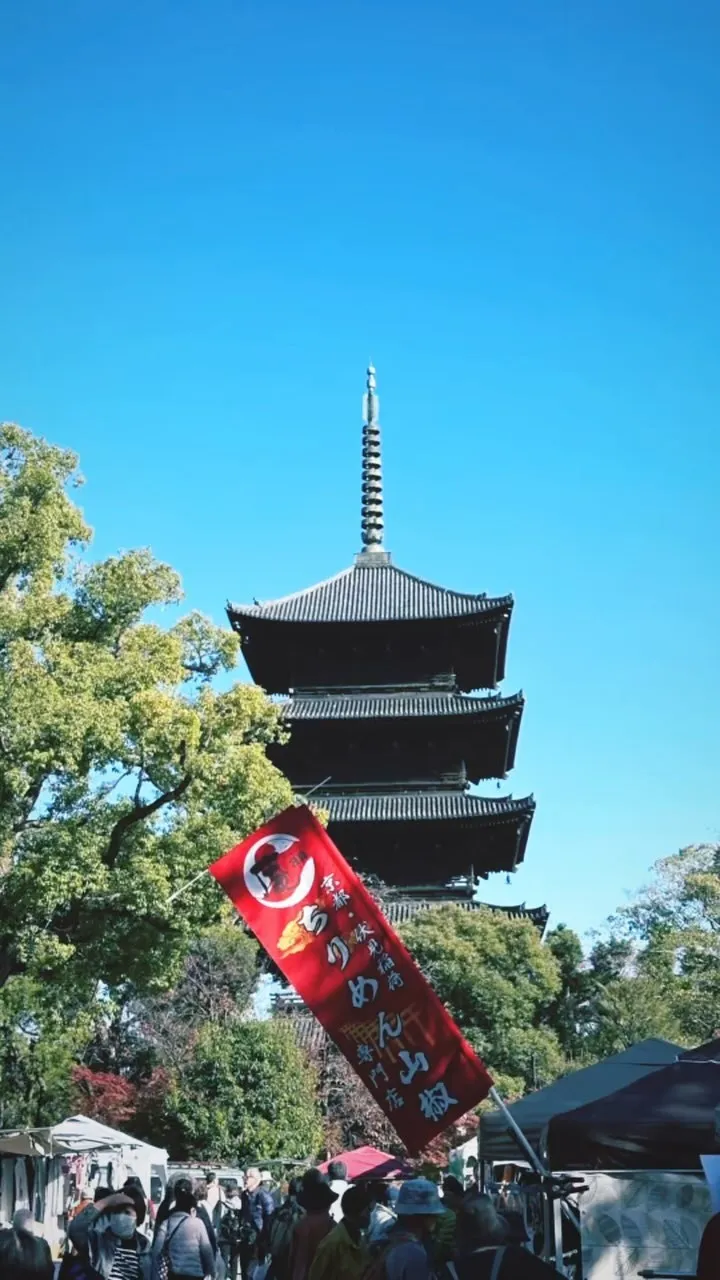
[323, 1228]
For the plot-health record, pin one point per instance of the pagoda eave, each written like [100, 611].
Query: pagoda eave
[405, 704]
[400, 911]
[438, 735]
[288, 654]
[418, 836]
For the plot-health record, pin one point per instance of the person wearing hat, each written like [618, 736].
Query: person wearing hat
[343, 1253]
[407, 1254]
[107, 1239]
[315, 1197]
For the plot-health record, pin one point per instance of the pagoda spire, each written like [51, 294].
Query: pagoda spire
[372, 492]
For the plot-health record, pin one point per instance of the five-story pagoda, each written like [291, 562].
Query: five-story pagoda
[378, 668]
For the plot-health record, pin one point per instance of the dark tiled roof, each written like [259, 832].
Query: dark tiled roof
[403, 909]
[423, 806]
[371, 592]
[309, 1033]
[369, 706]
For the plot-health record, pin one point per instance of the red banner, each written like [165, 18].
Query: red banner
[330, 939]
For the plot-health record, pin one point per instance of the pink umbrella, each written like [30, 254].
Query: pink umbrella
[368, 1162]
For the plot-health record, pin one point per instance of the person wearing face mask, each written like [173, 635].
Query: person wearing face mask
[106, 1237]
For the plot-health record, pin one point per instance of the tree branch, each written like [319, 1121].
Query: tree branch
[30, 799]
[141, 779]
[139, 814]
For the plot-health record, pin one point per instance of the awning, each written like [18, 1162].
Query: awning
[534, 1112]
[663, 1121]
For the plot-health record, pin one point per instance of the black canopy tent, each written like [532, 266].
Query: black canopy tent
[666, 1120]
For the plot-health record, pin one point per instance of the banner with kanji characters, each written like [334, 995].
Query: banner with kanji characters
[317, 921]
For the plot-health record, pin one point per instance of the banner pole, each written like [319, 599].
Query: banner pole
[183, 888]
[303, 795]
[188, 885]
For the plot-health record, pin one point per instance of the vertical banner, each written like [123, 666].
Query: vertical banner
[317, 921]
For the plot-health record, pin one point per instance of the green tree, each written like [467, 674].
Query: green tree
[123, 771]
[620, 994]
[570, 1009]
[497, 979]
[40, 1041]
[674, 926]
[215, 988]
[247, 1093]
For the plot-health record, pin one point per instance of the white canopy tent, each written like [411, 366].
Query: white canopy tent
[533, 1113]
[79, 1135]
[83, 1136]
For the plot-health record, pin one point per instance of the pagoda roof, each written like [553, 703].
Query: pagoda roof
[400, 910]
[424, 806]
[373, 589]
[368, 706]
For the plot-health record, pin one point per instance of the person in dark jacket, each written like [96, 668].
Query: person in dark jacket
[23, 1256]
[708, 1263]
[481, 1252]
[257, 1209]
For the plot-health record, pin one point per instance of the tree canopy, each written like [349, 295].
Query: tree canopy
[247, 1093]
[123, 770]
[497, 979]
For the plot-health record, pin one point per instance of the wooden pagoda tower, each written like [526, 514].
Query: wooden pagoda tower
[380, 673]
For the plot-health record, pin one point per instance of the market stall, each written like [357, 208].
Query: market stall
[646, 1200]
[46, 1169]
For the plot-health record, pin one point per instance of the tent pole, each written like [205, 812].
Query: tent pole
[531, 1154]
[535, 1161]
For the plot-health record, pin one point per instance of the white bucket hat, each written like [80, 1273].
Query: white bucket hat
[417, 1197]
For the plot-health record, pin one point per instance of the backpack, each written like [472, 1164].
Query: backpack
[281, 1228]
[376, 1269]
[495, 1272]
[232, 1229]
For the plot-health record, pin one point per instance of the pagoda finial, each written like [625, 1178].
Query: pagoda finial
[372, 494]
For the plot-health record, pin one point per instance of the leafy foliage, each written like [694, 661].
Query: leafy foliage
[247, 1093]
[123, 771]
[118, 1100]
[497, 979]
[214, 988]
[673, 931]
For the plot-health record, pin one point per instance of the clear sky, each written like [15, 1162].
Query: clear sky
[214, 212]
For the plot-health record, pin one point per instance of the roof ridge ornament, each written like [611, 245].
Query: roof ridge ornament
[372, 523]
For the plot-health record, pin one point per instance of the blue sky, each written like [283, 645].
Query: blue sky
[214, 214]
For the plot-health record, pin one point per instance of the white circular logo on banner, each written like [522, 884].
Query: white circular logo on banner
[276, 874]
